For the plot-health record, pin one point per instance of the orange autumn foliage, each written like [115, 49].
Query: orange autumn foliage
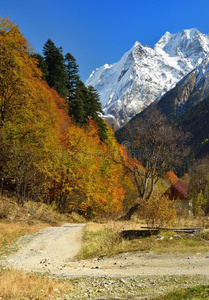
[44, 155]
[171, 177]
[97, 180]
[158, 211]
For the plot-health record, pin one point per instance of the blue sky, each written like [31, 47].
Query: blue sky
[96, 32]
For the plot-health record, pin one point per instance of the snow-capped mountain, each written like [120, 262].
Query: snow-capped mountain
[188, 92]
[144, 74]
[186, 105]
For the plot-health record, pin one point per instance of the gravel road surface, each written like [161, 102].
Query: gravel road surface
[53, 250]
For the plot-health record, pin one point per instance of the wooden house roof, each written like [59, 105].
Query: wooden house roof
[181, 187]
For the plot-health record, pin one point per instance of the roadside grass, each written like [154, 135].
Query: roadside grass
[9, 232]
[19, 285]
[195, 293]
[32, 213]
[105, 240]
[16, 221]
[190, 221]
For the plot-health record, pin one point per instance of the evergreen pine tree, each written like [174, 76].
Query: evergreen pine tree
[83, 101]
[57, 75]
[93, 105]
[77, 92]
[72, 75]
[41, 64]
[94, 111]
[77, 104]
[102, 127]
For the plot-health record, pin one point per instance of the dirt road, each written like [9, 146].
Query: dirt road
[53, 250]
[52, 247]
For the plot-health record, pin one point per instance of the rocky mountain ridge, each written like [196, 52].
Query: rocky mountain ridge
[186, 106]
[144, 75]
[188, 92]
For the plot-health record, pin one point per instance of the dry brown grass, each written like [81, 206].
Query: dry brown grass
[105, 239]
[190, 221]
[116, 225]
[135, 224]
[18, 285]
[16, 221]
[30, 213]
[9, 232]
[34, 213]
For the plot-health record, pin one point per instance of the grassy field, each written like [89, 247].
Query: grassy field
[105, 239]
[196, 293]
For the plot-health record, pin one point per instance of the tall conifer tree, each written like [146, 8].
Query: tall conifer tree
[57, 75]
[83, 101]
[76, 94]
[94, 111]
[72, 75]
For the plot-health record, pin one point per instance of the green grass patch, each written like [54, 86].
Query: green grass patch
[100, 243]
[108, 242]
[195, 293]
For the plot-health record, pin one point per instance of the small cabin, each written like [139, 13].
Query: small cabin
[178, 192]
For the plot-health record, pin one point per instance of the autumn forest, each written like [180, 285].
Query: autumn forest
[50, 152]
[56, 149]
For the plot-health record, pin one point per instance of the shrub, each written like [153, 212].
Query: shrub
[199, 203]
[158, 211]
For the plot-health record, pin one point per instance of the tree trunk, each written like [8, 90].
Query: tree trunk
[2, 112]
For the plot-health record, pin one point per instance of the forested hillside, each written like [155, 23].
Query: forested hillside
[196, 121]
[49, 151]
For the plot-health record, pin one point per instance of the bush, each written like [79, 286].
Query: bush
[158, 211]
[199, 203]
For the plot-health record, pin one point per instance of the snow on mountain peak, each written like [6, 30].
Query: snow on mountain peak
[190, 32]
[137, 43]
[189, 42]
[144, 74]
